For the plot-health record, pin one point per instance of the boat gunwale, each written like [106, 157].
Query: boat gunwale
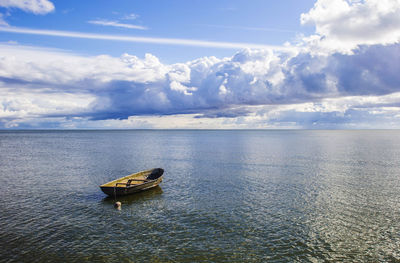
[129, 176]
[122, 191]
[132, 185]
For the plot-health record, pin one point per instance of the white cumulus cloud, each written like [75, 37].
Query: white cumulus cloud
[342, 25]
[31, 6]
[253, 87]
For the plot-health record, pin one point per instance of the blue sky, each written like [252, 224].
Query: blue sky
[323, 64]
[258, 21]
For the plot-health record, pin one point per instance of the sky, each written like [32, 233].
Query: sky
[254, 64]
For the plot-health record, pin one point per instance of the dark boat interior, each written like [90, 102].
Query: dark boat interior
[155, 174]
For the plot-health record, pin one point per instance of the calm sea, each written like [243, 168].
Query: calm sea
[227, 196]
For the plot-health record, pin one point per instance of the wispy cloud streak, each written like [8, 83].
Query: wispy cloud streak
[116, 24]
[2, 21]
[250, 28]
[131, 16]
[137, 39]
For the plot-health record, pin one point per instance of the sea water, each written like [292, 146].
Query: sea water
[227, 196]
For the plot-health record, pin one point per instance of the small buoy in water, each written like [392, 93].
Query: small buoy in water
[117, 205]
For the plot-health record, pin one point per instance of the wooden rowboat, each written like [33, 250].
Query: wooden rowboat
[133, 183]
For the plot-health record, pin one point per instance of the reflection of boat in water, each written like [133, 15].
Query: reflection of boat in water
[133, 183]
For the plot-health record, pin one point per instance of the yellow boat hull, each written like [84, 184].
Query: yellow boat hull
[133, 183]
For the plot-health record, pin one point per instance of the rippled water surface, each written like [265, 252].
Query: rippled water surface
[227, 196]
